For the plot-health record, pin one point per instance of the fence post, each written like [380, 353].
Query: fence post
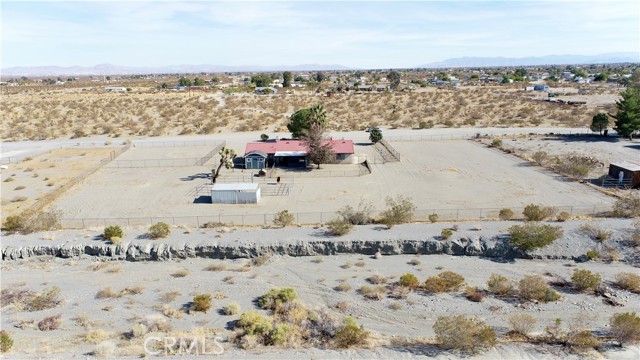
[481, 214]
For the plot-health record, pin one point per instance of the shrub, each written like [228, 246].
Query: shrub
[42, 221]
[563, 216]
[112, 231]
[343, 287]
[625, 328]
[582, 340]
[540, 157]
[276, 297]
[585, 280]
[254, 324]
[373, 292]
[446, 281]
[108, 293]
[284, 218]
[231, 308]
[602, 235]
[180, 273]
[533, 236]
[399, 211]
[280, 334]
[261, 260]
[47, 299]
[505, 214]
[591, 254]
[468, 335]
[13, 223]
[157, 323]
[628, 206]
[533, 212]
[521, 324]
[215, 267]
[474, 294]
[409, 280]
[202, 302]
[361, 216]
[446, 233]
[414, 262]
[339, 227]
[628, 281]
[500, 285]
[351, 335]
[264, 137]
[50, 323]
[105, 349]
[534, 287]
[159, 230]
[6, 342]
[496, 143]
[116, 240]
[377, 279]
[433, 218]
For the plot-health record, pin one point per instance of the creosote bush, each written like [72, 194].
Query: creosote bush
[373, 292]
[500, 285]
[409, 280]
[474, 294]
[112, 231]
[159, 230]
[628, 281]
[533, 212]
[505, 214]
[433, 218]
[446, 281]
[13, 223]
[351, 335]
[521, 324]
[533, 236]
[202, 302]
[534, 287]
[625, 328]
[231, 308]
[276, 298]
[359, 216]
[339, 227]
[284, 218]
[465, 334]
[585, 280]
[6, 341]
[399, 211]
[446, 233]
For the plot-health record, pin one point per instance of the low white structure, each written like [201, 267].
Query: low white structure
[115, 88]
[235, 193]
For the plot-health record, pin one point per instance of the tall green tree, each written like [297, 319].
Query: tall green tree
[302, 119]
[319, 149]
[286, 79]
[319, 77]
[261, 80]
[599, 123]
[375, 135]
[183, 81]
[394, 79]
[627, 119]
[198, 81]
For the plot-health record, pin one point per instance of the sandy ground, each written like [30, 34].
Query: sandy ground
[314, 280]
[435, 174]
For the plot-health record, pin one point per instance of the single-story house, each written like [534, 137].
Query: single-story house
[291, 153]
[625, 172]
[116, 88]
[235, 193]
[540, 87]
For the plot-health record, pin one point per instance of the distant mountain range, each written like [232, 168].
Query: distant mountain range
[611, 58]
[109, 69]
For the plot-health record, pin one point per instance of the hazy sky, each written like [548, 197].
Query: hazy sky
[364, 34]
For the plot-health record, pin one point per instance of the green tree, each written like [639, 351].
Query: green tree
[553, 78]
[600, 77]
[302, 119]
[319, 77]
[627, 119]
[505, 79]
[183, 81]
[581, 73]
[319, 149]
[215, 79]
[286, 79]
[226, 159]
[375, 135]
[520, 74]
[261, 80]
[599, 123]
[198, 81]
[394, 79]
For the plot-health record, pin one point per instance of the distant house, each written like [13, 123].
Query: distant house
[540, 87]
[235, 193]
[266, 90]
[625, 172]
[291, 153]
[115, 89]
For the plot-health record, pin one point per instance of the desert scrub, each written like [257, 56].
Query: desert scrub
[533, 212]
[521, 324]
[399, 211]
[377, 279]
[180, 273]
[261, 260]
[351, 335]
[468, 335]
[253, 323]
[112, 231]
[505, 214]
[47, 299]
[497, 143]
[13, 223]
[373, 292]
[584, 280]
[433, 218]
[202, 302]
[474, 294]
[276, 298]
[231, 308]
[409, 280]
[284, 218]
[359, 216]
[446, 281]
[50, 323]
[500, 285]
[563, 216]
[6, 341]
[159, 230]
[339, 227]
[215, 267]
[446, 233]
[342, 287]
[533, 236]
[628, 281]
[628, 206]
[625, 328]
[534, 287]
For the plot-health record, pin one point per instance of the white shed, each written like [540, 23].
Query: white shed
[236, 193]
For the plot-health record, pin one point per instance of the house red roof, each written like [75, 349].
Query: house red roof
[270, 147]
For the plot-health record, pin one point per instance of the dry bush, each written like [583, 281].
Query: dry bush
[414, 262]
[468, 335]
[351, 335]
[138, 330]
[377, 279]
[180, 273]
[284, 219]
[339, 227]
[261, 260]
[500, 285]
[628, 281]
[169, 296]
[534, 287]
[156, 323]
[276, 298]
[628, 206]
[409, 280]
[446, 281]
[359, 216]
[47, 299]
[625, 328]
[232, 308]
[474, 294]
[521, 324]
[96, 335]
[533, 212]
[105, 349]
[215, 267]
[399, 211]
[342, 306]
[585, 280]
[202, 302]
[343, 287]
[360, 263]
[108, 293]
[50, 323]
[373, 292]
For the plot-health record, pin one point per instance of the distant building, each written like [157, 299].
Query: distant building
[291, 153]
[115, 89]
[625, 172]
[266, 90]
[540, 87]
[238, 193]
